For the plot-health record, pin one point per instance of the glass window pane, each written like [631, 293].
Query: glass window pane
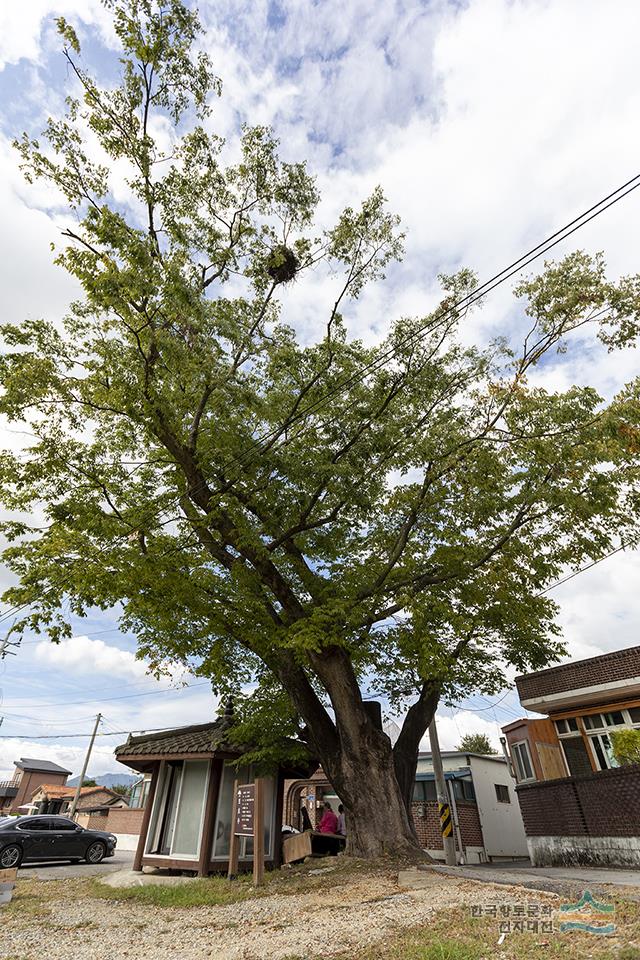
[615, 719]
[594, 722]
[561, 726]
[524, 762]
[576, 755]
[186, 840]
[418, 791]
[601, 759]
[222, 829]
[469, 792]
[430, 792]
[572, 723]
[634, 713]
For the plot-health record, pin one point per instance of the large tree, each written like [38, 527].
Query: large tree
[310, 521]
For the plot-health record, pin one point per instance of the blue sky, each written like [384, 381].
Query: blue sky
[488, 123]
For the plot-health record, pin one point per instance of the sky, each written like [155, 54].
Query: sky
[488, 123]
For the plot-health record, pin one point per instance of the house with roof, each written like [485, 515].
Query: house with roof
[29, 774]
[52, 798]
[186, 823]
[577, 804]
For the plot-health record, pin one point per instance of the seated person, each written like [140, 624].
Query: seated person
[329, 821]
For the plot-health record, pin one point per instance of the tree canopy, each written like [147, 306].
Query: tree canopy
[476, 743]
[298, 521]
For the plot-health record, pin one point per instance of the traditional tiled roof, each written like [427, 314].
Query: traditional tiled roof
[58, 792]
[200, 738]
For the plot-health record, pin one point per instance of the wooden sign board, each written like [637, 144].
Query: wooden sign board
[247, 818]
[7, 883]
[245, 807]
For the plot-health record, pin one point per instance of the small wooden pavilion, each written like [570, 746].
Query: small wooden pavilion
[187, 818]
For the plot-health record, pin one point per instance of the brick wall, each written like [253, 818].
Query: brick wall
[427, 824]
[94, 799]
[602, 804]
[124, 821]
[620, 665]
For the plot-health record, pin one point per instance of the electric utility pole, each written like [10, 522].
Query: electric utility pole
[444, 809]
[84, 767]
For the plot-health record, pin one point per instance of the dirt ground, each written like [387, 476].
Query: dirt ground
[350, 912]
[343, 913]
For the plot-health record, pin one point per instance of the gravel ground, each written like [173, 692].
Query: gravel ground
[347, 915]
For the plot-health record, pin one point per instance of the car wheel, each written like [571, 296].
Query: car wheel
[11, 857]
[96, 852]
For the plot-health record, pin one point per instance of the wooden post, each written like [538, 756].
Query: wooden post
[276, 839]
[146, 818]
[234, 840]
[258, 832]
[213, 786]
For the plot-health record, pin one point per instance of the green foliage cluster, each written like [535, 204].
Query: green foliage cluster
[626, 746]
[476, 743]
[259, 509]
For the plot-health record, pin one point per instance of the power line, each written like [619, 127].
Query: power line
[587, 566]
[71, 736]
[463, 303]
[129, 696]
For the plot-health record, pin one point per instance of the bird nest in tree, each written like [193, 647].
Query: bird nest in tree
[282, 264]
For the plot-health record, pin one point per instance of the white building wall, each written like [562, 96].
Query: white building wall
[502, 827]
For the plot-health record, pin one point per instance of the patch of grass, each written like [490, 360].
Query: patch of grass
[212, 891]
[219, 891]
[456, 935]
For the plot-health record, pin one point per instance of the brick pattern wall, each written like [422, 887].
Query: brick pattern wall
[124, 821]
[94, 799]
[620, 665]
[427, 824]
[602, 804]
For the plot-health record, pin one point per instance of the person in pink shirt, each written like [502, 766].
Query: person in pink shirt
[329, 821]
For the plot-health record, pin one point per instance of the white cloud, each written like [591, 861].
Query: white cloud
[22, 25]
[83, 655]
[451, 729]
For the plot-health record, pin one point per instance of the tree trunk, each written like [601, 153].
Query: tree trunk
[378, 822]
[373, 780]
[362, 768]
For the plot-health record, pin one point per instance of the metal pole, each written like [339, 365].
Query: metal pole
[84, 767]
[456, 822]
[444, 809]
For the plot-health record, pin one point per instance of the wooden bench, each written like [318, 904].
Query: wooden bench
[311, 843]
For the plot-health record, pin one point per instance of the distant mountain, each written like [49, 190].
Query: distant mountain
[108, 780]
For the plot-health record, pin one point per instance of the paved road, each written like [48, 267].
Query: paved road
[566, 881]
[63, 871]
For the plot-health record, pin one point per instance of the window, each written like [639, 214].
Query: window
[463, 790]
[63, 824]
[522, 760]
[594, 722]
[222, 827]
[502, 793]
[615, 719]
[603, 750]
[424, 791]
[176, 822]
[598, 726]
[570, 725]
[186, 839]
[576, 755]
[39, 823]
